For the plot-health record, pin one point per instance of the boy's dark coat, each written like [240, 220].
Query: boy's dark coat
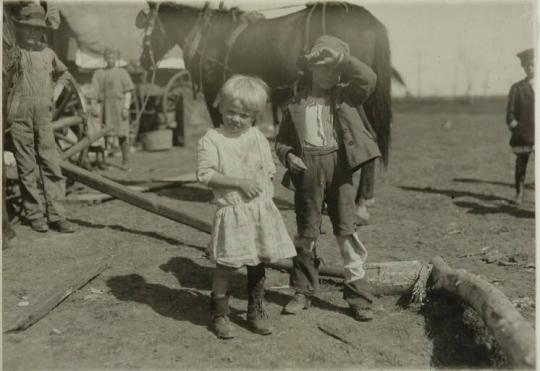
[521, 108]
[359, 144]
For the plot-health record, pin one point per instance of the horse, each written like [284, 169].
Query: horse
[220, 42]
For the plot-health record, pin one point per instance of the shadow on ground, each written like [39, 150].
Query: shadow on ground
[492, 182]
[150, 234]
[479, 209]
[454, 194]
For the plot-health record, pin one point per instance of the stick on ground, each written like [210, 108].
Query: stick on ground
[54, 299]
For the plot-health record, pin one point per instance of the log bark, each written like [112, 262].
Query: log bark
[84, 143]
[66, 122]
[54, 299]
[386, 278]
[512, 332]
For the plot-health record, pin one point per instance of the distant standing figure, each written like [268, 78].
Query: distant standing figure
[520, 120]
[114, 87]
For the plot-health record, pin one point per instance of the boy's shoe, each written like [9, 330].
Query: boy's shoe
[518, 199]
[298, 303]
[370, 202]
[222, 327]
[61, 226]
[361, 314]
[39, 225]
[360, 298]
[125, 167]
[102, 165]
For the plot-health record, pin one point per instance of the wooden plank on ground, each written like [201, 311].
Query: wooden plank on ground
[54, 299]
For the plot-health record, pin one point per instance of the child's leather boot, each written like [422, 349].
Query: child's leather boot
[257, 317]
[219, 308]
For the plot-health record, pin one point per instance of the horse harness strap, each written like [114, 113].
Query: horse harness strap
[313, 7]
[245, 21]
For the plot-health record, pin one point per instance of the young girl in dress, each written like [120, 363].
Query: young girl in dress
[235, 161]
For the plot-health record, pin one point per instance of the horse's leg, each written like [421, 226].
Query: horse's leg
[215, 116]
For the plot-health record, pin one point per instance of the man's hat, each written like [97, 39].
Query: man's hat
[32, 15]
[526, 55]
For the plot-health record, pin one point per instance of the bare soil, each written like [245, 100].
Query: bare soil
[446, 192]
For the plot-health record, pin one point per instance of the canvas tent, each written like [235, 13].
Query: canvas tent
[88, 28]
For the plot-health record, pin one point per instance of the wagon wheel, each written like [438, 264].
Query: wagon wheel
[72, 102]
[172, 104]
[134, 114]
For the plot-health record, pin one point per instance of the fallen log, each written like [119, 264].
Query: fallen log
[54, 299]
[66, 122]
[513, 333]
[386, 278]
[84, 143]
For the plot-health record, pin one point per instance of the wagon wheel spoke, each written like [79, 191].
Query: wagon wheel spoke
[71, 102]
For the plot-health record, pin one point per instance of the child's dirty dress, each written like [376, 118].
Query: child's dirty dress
[245, 232]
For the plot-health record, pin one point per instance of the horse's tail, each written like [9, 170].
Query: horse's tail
[379, 106]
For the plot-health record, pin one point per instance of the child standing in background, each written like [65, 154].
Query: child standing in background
[236, 162]
[114, 87]
[520, 120]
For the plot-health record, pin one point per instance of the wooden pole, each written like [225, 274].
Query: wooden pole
[54, 299]
[67, 122]
[512, 332]
[134, 198]
[84, 143]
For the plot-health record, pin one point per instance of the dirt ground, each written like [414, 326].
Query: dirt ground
[446, 192]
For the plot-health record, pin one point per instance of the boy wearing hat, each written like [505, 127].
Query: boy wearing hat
[114, 86]
[520, 120]
[322, 141]
[29, 113]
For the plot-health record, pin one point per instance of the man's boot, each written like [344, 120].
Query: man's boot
[257, 317]
[219, 308]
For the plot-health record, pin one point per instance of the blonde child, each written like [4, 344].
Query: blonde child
[235, 161]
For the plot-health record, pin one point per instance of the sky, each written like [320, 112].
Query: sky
[446, 48]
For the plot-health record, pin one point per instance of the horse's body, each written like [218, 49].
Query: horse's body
[270, 49]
